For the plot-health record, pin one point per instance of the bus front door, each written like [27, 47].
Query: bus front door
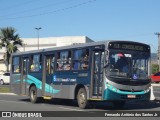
[97, 73]
[24, 73]
[48, 75]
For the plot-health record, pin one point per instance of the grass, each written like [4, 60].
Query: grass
[4, 89]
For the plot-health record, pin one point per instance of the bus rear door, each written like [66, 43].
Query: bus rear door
[48, 69]
[97, 73]
[24, 73]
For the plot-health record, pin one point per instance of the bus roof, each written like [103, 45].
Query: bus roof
[76, 46]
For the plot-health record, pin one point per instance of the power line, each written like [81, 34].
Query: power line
[138, 35]
[51, 12]
[35, 9]
[15, 5]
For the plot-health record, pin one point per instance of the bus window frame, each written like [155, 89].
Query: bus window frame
[82, 61]
[71, 61]
[49, 54]
[56, 59]
[16, 64]
[31, 62]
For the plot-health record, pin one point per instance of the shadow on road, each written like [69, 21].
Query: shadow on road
[102, 105]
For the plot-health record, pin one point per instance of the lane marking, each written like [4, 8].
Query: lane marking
[70, 109]
[75, 109]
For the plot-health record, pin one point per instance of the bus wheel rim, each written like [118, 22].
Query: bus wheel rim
[33, 94]
[82, 98]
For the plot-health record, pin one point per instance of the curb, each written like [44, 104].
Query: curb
[155, 84]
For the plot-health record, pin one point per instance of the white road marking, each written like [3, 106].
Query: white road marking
[70, 109]
[75, 109]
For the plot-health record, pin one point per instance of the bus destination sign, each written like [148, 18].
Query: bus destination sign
[128, 47]
[125, 46]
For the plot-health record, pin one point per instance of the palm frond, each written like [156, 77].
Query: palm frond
[10, 40]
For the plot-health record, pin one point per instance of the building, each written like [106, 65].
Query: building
[32, 44]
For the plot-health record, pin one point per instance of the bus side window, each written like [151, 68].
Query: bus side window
[16, 65]
[64, 60]
[52, 64]
[80, 59]
[32, 67]
[85, 60]
[76, 59]
[59, 65]
[67, 65]
[35, 63]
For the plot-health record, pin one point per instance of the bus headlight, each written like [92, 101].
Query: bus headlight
[108, 86]
[114, 89]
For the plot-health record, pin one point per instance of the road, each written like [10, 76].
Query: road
[156, 90]
[22, 103]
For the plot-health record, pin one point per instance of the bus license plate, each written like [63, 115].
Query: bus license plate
[131, 96]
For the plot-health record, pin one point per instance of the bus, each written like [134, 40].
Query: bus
[114, 71]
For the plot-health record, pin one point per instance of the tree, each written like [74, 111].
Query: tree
[155, 68]
[10, 40]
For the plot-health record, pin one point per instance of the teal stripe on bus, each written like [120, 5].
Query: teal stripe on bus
[112, 88]
[48, 88]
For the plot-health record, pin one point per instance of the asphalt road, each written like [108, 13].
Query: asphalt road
[156, 90]
[22, 103]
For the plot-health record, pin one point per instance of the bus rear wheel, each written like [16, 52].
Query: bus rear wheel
[82, 98]
[33, 94]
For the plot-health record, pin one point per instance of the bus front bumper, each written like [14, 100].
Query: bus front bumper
[125, 96]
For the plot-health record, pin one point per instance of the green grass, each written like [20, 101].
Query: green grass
[4, 89]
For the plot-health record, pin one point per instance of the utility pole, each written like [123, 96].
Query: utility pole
[158, 34]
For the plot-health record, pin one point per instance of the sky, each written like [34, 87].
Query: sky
[134, 20]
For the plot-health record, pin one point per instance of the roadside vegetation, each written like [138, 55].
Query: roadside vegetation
[9, 40]
[4, 89]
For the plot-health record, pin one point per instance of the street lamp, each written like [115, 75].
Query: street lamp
[158, 34]
[38, 35]
[24, 45]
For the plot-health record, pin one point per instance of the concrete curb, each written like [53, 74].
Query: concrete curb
[7, 94]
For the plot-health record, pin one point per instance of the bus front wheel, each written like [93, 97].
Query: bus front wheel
[82, 98]
[33, 94]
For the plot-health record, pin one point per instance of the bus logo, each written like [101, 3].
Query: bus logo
[135, 76]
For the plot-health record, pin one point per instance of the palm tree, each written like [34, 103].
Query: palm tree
[9, 40]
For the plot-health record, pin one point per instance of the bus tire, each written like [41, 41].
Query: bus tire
[82, 98]
[33, 94]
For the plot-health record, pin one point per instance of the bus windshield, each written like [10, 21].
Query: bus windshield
[125, 64]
